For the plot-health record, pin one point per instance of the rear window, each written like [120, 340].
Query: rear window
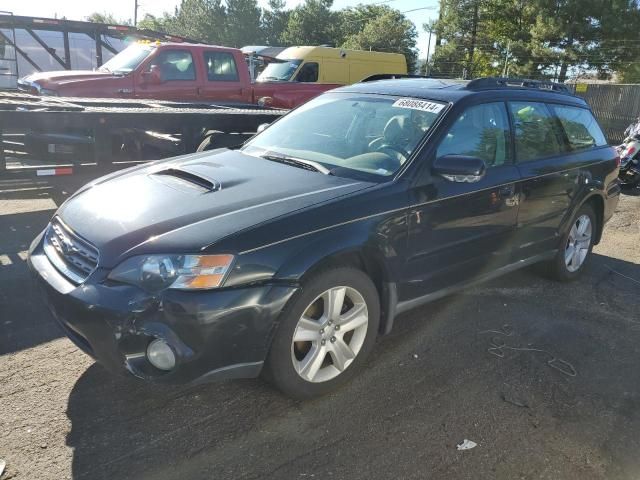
[580, 126]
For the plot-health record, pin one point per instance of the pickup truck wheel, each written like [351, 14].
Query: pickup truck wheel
[325, 333]
[575, 247]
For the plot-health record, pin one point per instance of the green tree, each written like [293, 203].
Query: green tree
[536, 38]
[312, 23]
[104, 17]
[387, 31]
[243, 21]
[159, 24]
[202, 20]
[274, 22]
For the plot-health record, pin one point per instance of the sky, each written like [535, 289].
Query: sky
[80, 9]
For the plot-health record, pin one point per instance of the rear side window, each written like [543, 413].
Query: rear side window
[481, 131]
[536, 132]
[308, 73]
[581, 128]
[221, 67]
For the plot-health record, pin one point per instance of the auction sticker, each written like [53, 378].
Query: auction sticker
[414, 104]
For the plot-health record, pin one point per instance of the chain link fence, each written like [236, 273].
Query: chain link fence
[615, 106]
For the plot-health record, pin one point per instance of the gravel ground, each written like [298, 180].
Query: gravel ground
[542, 376]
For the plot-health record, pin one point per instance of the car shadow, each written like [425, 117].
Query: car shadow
[428, 383]
[26, 206]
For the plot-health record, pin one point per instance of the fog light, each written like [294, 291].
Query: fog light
[160, 355]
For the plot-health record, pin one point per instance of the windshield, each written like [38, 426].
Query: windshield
[128, 59]
[280, 71]
[343, 132]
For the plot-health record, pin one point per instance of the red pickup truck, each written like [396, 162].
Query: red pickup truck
[174, 71]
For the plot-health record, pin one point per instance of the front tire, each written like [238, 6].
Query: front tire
[575, 247]
[325, 334]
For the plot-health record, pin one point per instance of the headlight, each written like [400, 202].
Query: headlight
[185, 272]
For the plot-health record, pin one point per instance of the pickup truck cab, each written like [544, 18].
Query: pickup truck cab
[178, 72]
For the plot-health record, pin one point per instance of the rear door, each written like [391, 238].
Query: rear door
[459, 231]
[550, 177]
[222, 82]
[178, 79]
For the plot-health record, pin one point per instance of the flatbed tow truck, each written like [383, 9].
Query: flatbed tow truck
[62, 136]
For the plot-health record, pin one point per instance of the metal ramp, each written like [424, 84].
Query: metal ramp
[9, 73]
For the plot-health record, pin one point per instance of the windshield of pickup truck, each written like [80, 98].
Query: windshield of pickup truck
[342, 132]
[128, 59]
[279, 71]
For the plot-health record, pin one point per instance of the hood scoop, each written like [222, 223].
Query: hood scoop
[184, 176]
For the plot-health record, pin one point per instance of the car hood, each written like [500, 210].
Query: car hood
[58, 78]
[186, 204]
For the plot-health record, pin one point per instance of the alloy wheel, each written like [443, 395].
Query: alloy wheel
[578, 243]
[329, 334]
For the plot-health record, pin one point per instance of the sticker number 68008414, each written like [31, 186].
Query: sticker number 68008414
[415, 104]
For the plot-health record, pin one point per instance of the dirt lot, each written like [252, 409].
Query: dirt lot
[542, 376]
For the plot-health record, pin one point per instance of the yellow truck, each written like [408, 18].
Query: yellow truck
[328, 65]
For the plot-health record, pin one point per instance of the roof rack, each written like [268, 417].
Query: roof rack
[389, 76]
[491, 83]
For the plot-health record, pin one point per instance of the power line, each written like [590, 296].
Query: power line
[421, 8]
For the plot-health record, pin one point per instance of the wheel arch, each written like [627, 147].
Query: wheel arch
[596, 201]
[369, 258]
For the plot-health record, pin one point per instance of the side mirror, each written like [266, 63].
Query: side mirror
[459, 168]
[152, 77]
[262, 127]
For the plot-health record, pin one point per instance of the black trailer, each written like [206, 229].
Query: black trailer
[56, 135]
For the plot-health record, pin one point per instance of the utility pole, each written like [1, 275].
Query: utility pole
[474, 36]
[428, 28]
[505, 70]
[135, 13]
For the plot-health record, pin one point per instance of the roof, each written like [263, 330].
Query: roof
[447, 90]
[202, 46]
[262, 50]
[305, 51]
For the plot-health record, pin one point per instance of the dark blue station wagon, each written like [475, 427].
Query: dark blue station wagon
[288, 255]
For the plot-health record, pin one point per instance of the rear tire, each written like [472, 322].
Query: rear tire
[334, 321]
[575, 247]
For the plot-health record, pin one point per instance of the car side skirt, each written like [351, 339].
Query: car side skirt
[406, 305]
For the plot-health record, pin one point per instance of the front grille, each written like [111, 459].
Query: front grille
[74, 257]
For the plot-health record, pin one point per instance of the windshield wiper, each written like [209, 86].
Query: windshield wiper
[297, 162]
[273, 78]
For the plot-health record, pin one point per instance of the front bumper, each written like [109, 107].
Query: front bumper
[215, 334]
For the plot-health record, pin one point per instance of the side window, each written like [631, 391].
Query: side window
[536, 132]
[308, 73]
[581, 128]
[481, 131]
[221, 67]
[175, 65]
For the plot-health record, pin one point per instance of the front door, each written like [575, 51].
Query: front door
[178, 79]
[458, 231]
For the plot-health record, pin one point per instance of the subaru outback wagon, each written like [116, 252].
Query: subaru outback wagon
[288, 256]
